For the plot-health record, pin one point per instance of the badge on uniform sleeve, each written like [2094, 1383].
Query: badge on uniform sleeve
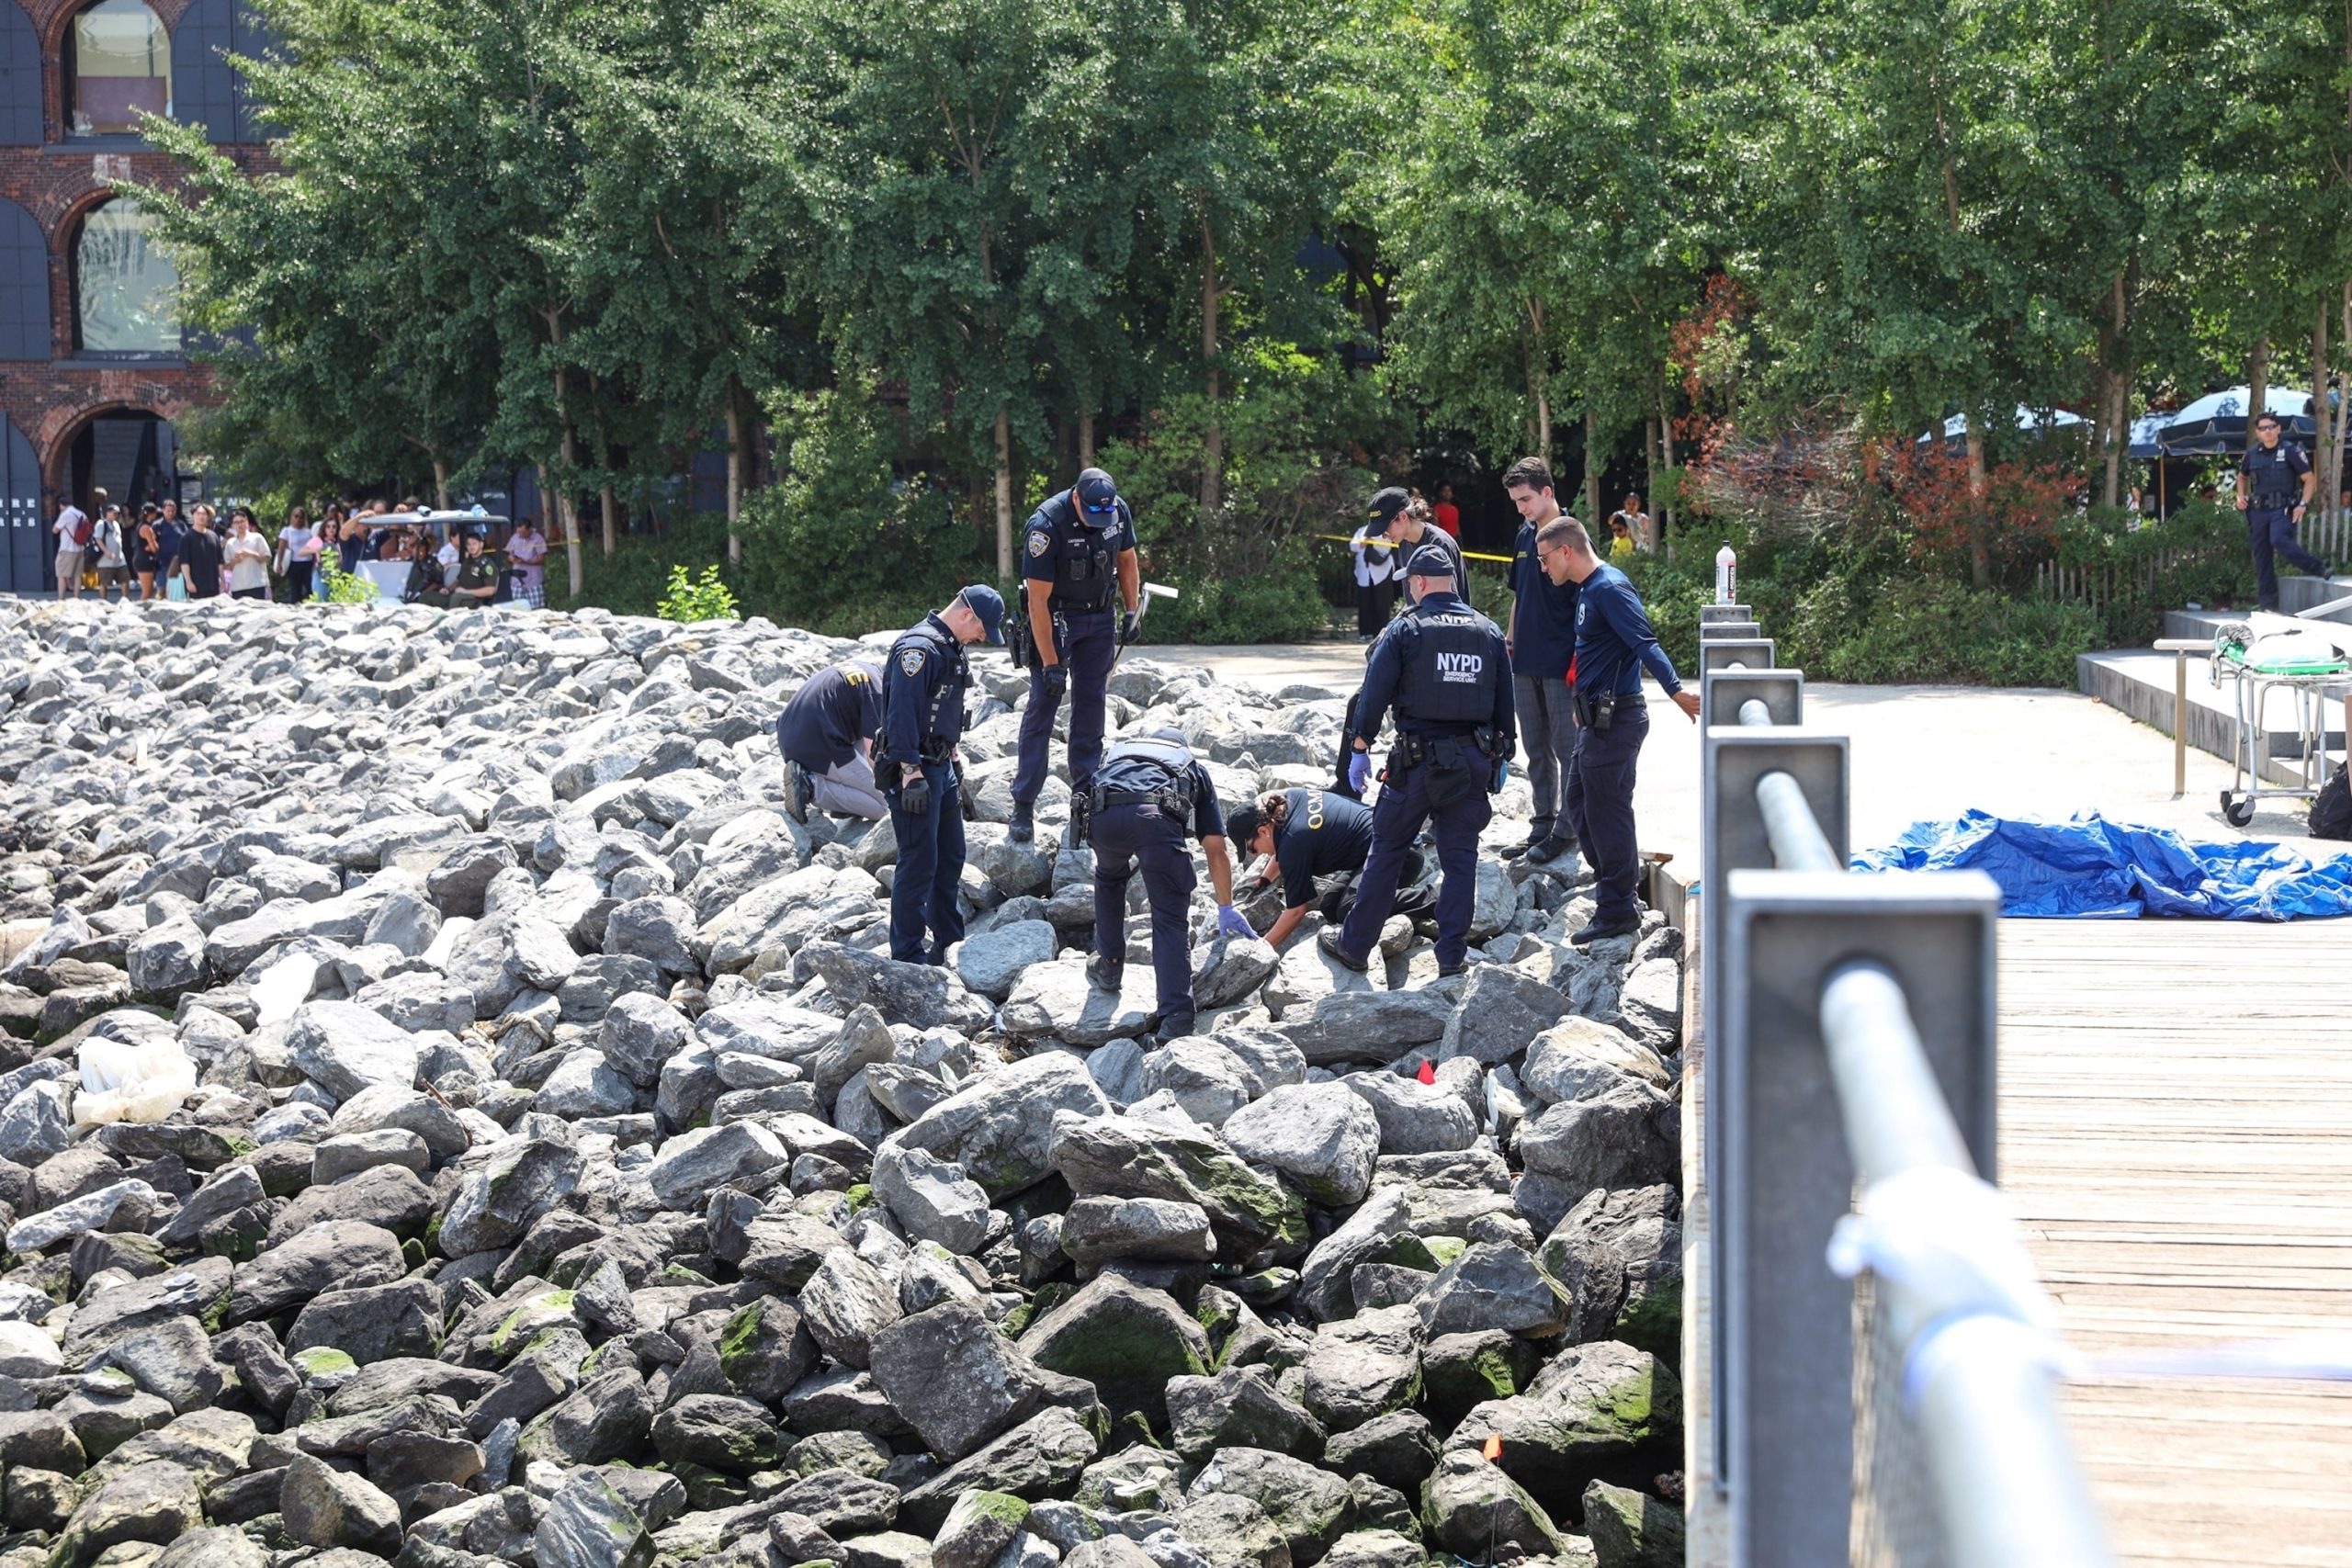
[1040, 542]
[911, 661]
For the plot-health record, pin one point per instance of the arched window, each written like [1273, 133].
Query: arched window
[119, 66]
[24, 286]
[126, 291]
[19, 79]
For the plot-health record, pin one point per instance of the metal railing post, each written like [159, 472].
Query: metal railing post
[2180, 648]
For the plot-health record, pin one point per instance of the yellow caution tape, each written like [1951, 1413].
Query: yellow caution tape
[1471, 555]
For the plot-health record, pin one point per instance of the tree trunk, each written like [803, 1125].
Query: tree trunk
[1086, 436]
[2343, 405]
[736, 462]
[611, 507]
[1979, 553]
[2324, 493]
[1536, 390]
[1649, 471]
[1591, 470]
[2115, 364]
[565, 509]
[1003, 492]
[1665, 446]
[2257, 388]
[441, 465]
[1212, 434]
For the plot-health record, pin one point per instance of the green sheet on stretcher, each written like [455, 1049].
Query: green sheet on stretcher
[2293, 653]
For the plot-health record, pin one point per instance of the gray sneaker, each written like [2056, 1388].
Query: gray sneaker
[1328, 941]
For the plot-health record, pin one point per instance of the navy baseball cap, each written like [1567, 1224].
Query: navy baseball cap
[1388, 503]
[1429, 560]
[989, 605]
[1098, 496]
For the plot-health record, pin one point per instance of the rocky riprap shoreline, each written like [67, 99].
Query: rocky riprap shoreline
[567, 1179]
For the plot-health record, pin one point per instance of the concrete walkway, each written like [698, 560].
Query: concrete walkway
[1918, 753]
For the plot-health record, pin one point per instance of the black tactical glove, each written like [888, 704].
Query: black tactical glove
[1129, 626]
[914, 795]
[1056, 678]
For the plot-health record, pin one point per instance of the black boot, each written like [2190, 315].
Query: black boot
[1023, 825]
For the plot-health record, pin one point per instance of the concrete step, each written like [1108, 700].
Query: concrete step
[2139, 681]
[2205, 623]
[2297, 594]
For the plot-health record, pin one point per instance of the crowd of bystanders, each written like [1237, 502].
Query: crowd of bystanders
[451, 558]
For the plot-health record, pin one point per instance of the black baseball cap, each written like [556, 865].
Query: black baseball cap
[988, 605]
[1098, 497]
[1429, 560]
[1388, 503]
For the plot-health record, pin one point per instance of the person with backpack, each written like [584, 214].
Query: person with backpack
[73, 530]
[113, 570]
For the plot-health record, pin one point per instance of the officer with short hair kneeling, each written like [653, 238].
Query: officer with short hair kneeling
[1444, 667]
[922, 719]
[1149, 796]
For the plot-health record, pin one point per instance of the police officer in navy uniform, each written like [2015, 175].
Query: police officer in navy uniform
[1317, 842]
[1078, 564]
[1614, 645]
[1405, 521]
[1443, 666]
[922, 710]
[826, 733]
[1149, 796]
[2274, 489]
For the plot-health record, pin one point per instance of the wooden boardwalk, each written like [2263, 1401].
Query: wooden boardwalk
[2177, 1138]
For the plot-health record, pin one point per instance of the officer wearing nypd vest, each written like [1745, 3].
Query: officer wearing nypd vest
[1443, 667]
[922, 719]
[1078, 560]
[1148, 797]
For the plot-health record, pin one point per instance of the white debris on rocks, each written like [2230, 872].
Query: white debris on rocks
[553, 1167]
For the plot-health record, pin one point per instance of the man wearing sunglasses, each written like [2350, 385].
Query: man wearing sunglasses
[1077, 560]
[2274, 490]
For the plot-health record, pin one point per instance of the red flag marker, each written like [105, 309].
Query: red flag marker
[1428, 1073]
[1494, 1450]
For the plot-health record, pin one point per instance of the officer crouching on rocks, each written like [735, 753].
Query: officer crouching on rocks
[826, 733]
[922, 719]
[1079, 559]
[1444, 667]
[1316, 841]
[1147, 798]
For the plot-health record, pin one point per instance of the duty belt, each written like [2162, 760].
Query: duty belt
[1175, 802]
[1062, 606]
[1413, 750]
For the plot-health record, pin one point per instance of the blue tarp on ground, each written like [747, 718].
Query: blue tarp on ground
[2090, 868]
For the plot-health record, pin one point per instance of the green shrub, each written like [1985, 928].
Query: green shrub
[1282, 605]
[707, 599]
[345, 587]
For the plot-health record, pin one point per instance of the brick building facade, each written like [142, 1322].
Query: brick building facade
[92, 372]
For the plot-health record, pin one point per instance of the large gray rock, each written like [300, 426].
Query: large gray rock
[1619, 1257]
[953, 1377]
[913, 994]
[164, 960]
[1625, 1136]
[846, 1302]
[1125, 1339]
[346, 1048]
[156, 1502]
[1095, 1230]
[328, 1507]
[994, 962]
[1593, 1411]
[516, 1183]
[1237, 1408]
[1041, 1457]
[1324, 1136]
[1493, 1285]
[1502, 1009]
[1415, 1118]
[1366, 1026]
[999, 1126]
[639, 1033]
[1227, 969]
[1312, 1507]
[1324, 1281]
[1581, 1060]
[1650, 1004]
[932, 1196]
[339, 1254]
[1363, 1368]
[1056, 999]
[1120, 1156]
[589, 1524]
[694, 1162]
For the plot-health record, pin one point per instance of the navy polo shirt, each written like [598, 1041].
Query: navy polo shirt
[1325, 834]
[1544, 617]
[833, 710]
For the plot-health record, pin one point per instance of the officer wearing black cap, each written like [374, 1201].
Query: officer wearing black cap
[1444, 668]
[1148, 797]
[826, 733]
[1078, 560]
[1317, 842]
[922, 719]
[2274, 488]
[1407, 524]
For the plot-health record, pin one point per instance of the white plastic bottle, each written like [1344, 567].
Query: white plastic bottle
[1726, 575]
